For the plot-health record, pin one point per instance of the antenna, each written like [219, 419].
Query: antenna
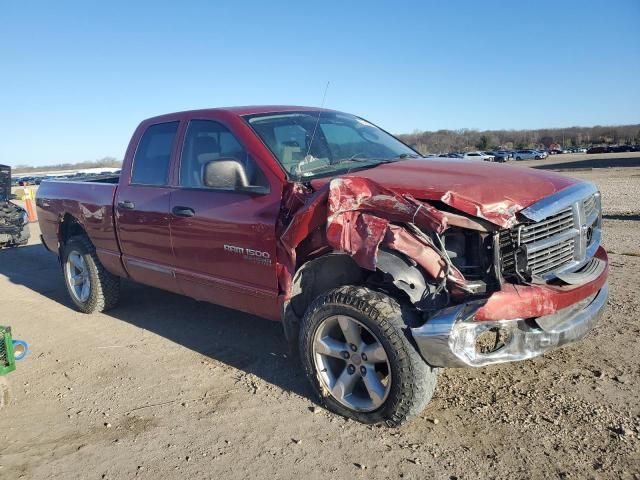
[324, 96]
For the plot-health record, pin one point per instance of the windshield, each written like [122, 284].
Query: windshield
[309, 144]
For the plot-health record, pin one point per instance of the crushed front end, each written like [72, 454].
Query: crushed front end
[551, 275]
[490, 282]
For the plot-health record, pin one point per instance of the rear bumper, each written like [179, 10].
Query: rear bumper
[515, 323]
[453, 338]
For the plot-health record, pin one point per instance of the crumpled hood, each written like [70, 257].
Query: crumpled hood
[492, 191]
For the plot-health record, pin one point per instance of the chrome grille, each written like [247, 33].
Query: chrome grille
[547, 228]
[561, 241]
[590, 205]
[548, 259]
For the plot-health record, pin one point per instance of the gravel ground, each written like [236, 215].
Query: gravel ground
[166, 386]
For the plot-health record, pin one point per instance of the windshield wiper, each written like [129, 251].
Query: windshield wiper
[377, 160]
[402, 156]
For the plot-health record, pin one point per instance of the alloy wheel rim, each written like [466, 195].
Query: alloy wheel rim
[77, 274]
[352, 364]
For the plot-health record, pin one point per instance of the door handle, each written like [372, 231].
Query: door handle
[126, 204]
[183, 211]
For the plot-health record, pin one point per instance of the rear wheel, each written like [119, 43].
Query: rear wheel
[90, 286]
[360, 360]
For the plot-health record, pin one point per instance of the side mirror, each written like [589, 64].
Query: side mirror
[226, 173]
[229, 174]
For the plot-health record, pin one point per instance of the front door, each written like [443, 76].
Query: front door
[224, 239]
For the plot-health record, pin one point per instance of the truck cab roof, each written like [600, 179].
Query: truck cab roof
[240, 111]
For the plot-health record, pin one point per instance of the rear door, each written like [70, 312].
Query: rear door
[224, 239]
[142, 208]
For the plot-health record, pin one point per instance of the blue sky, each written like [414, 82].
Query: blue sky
[77, 77]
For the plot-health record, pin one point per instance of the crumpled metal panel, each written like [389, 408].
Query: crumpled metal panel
[356, 215]
[486, 190]
[501, 213]
[359, 214]
[425, 254]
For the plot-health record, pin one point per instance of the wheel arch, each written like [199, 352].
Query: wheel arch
[395, 273]
[68, 227]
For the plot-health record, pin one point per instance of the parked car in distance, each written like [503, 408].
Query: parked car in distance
[383, 266]
[528, 155]
[478, 156]
[543, 153]
[499, 156]
[598, 150]
[621, 148]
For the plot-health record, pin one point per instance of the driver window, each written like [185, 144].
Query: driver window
[208, 141]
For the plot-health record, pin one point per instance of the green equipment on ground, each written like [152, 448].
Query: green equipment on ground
[7, 357]
[10, 351]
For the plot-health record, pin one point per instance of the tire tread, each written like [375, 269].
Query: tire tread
[419, 379]
[105, 286]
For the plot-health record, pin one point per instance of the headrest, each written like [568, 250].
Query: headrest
[205, 145]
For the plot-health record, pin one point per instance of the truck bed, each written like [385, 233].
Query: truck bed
[89, 202]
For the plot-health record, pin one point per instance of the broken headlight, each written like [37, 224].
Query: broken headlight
[470, 252]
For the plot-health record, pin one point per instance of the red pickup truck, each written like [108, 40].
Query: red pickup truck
[381, 264]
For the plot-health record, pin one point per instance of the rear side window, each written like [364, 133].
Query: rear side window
[151, 162]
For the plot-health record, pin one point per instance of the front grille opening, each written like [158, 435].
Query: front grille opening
[551, 258]
[538, 249]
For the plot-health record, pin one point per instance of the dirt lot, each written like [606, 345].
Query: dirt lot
[166, 386]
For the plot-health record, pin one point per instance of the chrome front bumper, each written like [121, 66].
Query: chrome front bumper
[451, 337]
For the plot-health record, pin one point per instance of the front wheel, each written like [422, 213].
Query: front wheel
[90, 286]
[360, 360]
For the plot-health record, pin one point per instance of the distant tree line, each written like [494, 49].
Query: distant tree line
[106, 162]
[462, 140]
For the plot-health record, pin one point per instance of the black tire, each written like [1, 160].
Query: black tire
[104, 290]
[412, 380]
[518, 158]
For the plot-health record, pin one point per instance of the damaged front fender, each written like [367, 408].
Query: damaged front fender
[357, 216]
